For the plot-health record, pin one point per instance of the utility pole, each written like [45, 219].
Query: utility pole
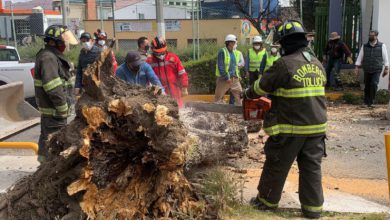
[301, 11]
[250, 8]
[193, 31]
[197, 31]
[113, 19]
[13, 25]
[64, 12]
[160, 18]
[101, 15]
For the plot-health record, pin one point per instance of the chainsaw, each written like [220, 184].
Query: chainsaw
[252, 109]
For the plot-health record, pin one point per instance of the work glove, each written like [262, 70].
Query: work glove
[249, 94]
[349, 60]
[156, 90]
[184, 92]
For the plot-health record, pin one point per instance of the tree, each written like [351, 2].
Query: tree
[308, 9]
[243, 7]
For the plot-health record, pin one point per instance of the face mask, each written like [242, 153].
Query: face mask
[235, 47]
[147, 47]
[257, 47]
[101, 42]
[61, 48]
[87, 45]
[161, 57]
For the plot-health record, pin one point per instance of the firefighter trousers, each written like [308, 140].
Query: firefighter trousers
[280, 153]
[49, 125]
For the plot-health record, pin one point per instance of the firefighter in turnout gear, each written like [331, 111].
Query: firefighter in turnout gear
[53, 84]
[256, 60]
[296, 122]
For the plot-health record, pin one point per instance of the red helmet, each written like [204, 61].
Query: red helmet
[159, 45]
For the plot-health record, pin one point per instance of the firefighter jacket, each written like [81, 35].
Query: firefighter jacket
[171, 73]
[295, 84]
[53, 83]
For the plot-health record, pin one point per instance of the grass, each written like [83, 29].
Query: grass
[222, 187]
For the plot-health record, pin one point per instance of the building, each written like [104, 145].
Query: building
[146, 9]
[179, 32]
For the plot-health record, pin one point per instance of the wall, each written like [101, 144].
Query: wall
[381, 16]
[77, 11]
[209, 29]
[149, 11]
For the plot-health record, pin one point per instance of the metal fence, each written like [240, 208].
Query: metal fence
[351, 25]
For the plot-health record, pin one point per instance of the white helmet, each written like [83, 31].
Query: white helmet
[257, 39]
[231, 37]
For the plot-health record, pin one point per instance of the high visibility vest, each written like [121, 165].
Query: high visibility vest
[270, 61]
[255, 59]
[227, 63]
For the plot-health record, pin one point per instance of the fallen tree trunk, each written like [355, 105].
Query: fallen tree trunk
[121, 158]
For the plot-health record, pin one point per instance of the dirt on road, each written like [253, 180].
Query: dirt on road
[356, 161]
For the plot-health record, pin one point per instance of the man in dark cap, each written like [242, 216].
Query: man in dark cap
[137, 71]
[88, 54]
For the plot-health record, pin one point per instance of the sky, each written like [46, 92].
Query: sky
[284, 2]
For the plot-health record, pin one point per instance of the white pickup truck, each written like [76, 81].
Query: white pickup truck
[13, 70]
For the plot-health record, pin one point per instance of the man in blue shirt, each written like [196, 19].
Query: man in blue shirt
[137, 71]
[227, 71]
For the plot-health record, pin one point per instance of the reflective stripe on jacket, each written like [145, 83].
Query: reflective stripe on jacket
[296, 85]
[171, 74]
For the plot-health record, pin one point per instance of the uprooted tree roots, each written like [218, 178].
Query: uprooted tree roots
[121, 158]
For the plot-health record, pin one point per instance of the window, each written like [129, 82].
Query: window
[8, 55]
[106, 12]
[208, 41]
[184, 3]
[127, 45]
[172, 43]
[141, 16]
[178, 3]
[171, 3]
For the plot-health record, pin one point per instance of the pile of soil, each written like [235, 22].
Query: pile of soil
[122, 157]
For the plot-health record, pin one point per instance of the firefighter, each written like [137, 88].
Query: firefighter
[256, 60]
[296, 122]
[52, 82]
[169, 70]
[227, 71]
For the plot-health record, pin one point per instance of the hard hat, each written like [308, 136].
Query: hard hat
[231, 37]
[257, 39]
[159, 45]
[289, 28]
[60, 33]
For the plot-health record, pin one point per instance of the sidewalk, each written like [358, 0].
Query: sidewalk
[335, 200]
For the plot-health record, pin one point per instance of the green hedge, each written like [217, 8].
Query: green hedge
[202, 74]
